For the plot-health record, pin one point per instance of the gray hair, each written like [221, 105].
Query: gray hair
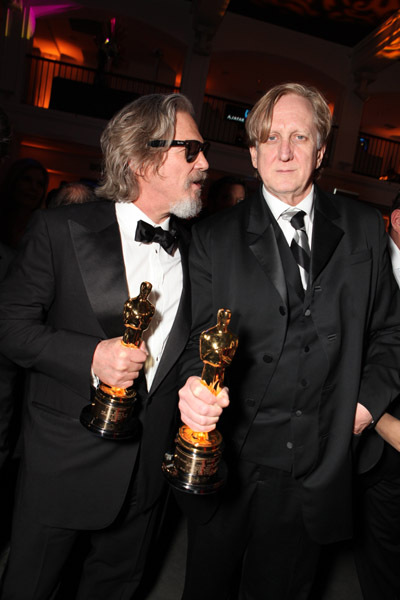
[125, 140]
[258, 123]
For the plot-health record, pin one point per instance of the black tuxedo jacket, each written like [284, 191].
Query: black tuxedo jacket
[66, 293]
[8, 377]
[235, 263]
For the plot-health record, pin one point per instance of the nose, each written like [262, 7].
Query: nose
[285, 150]
[201, 162]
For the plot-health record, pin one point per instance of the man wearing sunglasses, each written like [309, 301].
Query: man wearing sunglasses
[61, 317]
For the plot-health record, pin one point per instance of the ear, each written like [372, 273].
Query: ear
[320, 156]
[137, 171]
[253, 154]
[395, 220]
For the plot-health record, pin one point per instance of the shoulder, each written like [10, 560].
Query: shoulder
[91, 215]
[350, 213]
[227, 218]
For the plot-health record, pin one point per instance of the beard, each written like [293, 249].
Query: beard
[189, 206]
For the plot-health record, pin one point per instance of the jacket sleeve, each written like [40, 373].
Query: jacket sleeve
[27, 336]
[380, 381]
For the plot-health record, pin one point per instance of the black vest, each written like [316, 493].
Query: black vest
[286, 424]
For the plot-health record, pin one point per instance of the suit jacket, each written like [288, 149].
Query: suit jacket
[377, 459]
[235, 263]
[66, 293]
[9, 390]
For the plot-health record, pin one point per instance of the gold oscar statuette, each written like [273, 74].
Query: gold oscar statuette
[111, 414]
[195, 466]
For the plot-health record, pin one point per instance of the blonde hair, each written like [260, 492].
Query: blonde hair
[125, 139]
[258, 123]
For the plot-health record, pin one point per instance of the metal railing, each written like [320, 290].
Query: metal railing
[60, 85]
[222, 120]
[377, 157]
[86, 91]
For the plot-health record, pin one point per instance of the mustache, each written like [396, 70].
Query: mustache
[200, 178]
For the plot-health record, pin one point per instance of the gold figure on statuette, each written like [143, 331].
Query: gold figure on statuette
[195, 463]
[111, 414]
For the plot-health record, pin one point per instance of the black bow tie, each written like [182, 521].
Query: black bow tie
[147, 233]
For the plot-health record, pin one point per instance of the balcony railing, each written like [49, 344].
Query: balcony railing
[84, 91]
[377, 157]
[222, 120]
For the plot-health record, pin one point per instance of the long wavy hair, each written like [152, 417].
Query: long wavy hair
[124, 142]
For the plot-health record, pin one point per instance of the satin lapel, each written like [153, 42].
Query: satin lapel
[180, 331]
[100, 259]
[326, 235]
[263, 244]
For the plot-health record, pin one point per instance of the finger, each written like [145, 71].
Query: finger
[197, 406]
[195, 425]
[198, 416]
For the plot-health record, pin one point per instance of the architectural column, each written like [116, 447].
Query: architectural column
[207, 17]
[194, 79]
[15, 43]
[348, 122]
[373, 54]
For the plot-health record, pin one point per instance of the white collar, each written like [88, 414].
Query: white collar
[128, 214]
[277, 207]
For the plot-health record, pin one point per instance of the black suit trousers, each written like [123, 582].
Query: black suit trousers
[255, 542]
[377, 542]
[113, 567]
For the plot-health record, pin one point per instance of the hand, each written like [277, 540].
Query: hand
[388, 428]
[117, 365]
[200, 409]
[362, 419]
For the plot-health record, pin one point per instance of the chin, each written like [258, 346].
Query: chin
[187, 208]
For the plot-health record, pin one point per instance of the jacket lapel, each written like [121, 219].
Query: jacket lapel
[263, 243]
[326, 235]
[98, 250]
[180, 331]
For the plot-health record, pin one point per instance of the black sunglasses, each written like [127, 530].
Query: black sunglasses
[192, 147]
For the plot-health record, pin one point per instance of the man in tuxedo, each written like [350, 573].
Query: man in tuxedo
[377, 540]
[307, 277]
[11, 384]
[62, 317]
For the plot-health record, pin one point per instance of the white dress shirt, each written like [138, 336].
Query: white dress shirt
[150, 262]
[394, 252]
[278, 208]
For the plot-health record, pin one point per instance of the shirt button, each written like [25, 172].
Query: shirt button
[298, 413]
[307, 312]
[282, 310]
[289, 445]
[250, 402]
[267, 358]
[304, 383]
[306, 348]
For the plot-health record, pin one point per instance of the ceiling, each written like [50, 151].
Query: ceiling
[345, 22]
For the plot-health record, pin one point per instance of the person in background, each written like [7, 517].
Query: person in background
[70, 193]
[61, 316]
[225, 192]
[11, 388]
[23, 190]
[377, 539]
[315, 307]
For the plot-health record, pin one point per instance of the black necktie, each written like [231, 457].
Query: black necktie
[147, 233]
[299, 246]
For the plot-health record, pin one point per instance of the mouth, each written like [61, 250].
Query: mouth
[199, 182]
